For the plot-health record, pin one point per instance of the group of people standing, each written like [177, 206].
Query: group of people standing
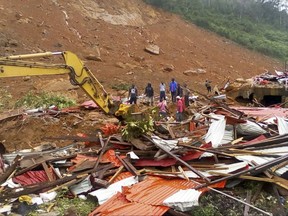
[179, 95]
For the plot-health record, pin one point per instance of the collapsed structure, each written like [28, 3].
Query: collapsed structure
[162, 170]
[266, 89]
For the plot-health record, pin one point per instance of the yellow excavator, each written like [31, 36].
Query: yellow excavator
[80, 75]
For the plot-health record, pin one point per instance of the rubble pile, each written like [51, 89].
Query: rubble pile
[163, 170]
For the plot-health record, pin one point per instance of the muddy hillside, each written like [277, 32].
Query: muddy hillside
[117, 32]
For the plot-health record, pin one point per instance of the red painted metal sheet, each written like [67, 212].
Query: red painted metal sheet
[257, 139]
[266, 112]
[32, 177]
[191, 155]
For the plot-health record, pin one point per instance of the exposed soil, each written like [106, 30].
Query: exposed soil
[117, 32]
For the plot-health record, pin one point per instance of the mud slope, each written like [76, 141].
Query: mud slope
[118, 31]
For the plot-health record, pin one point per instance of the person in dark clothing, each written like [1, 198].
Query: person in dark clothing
[149, 92]
[208, 86]
[179, 90]
[186, 93]
[173, 89]
[133, 93]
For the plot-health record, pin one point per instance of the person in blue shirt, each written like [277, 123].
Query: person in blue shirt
[173, 89]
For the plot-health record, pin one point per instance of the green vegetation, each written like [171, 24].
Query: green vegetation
[136, 128]
[65, 206]
[44, 100]
[121, 86]
[257, 25]
[5, 99]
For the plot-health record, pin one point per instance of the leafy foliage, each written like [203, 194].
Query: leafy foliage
[259, 25]
[135, 128]
[62, 203]
[121, 86]
[44, 100]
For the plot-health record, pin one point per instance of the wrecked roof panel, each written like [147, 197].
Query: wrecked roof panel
[266, 112]
[119, 205]
[183, 200]
[155, 190]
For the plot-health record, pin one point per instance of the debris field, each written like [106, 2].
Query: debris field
[152, 165]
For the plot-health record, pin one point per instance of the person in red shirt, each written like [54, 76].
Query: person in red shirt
[180, 109]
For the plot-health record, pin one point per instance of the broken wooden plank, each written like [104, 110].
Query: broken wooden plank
[47, 171]
[10, 169]
[248, 200]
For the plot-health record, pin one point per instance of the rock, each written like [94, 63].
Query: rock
[26, 78]
[154, 49]
[18, 15]
[120, 65]
[13, 43]
[93, 57]
[197, 71]
[168, 68]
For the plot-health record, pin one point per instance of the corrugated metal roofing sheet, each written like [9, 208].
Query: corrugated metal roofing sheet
[119, 205]
[183, 200]
[263, 111]
[154, 190]
[32, 177]
[122, 176]
[144, 198]
[191, 155]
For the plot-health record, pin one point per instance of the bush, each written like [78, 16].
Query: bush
[44, 100]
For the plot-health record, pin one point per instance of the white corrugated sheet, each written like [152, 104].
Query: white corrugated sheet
[167, 144]
[282, 125]
[221, 168]
[104, 194]
[216, 131]
[228, 135]
[81, 187]
[262, 160]
[250, 128]
[183, 200]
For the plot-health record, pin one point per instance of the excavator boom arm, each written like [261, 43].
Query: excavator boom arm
[13, 66]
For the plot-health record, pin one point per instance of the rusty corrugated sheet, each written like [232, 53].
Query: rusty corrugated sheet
[154, 190]
[122, 176]
[146, 197]
[119, 205]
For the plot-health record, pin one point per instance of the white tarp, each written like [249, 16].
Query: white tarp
[282, 125]
[216, 130]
